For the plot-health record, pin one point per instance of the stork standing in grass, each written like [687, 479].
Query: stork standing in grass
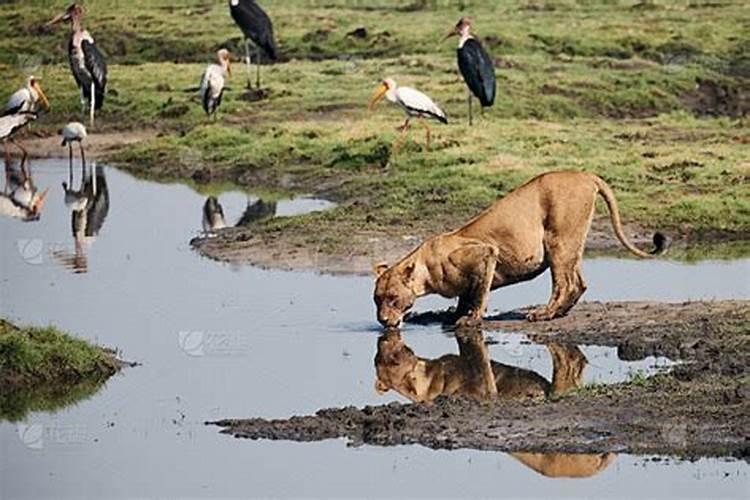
[414, 103]
[27, 99]
[86, 61]
[256, 26]
[212, 83]
[475, 65]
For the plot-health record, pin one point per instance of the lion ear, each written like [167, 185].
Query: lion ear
[379, 269]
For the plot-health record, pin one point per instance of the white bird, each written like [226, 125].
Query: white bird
[74, 132]
[26, 99]
[212, 83]
[213, 215]
[414, 103]
[10, 124]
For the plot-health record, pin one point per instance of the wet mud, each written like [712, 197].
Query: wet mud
[699, 408]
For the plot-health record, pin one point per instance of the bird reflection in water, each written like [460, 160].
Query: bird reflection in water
[20, 198]
[89, 206]
[471, 373]
[213, 214]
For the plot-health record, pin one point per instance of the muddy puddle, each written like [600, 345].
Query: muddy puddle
[218, 341]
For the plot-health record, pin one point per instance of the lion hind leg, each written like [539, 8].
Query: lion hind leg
[568, 284]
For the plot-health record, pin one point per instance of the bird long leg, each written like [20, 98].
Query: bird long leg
[257, 67]
[471, 118]
[83, 155]
[70, 166]
[399, 142]
[427, 132]
[70, 154]
[247, 63]
[92, 103]
[20, 147]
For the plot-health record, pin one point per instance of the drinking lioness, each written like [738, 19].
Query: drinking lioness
[542, 224]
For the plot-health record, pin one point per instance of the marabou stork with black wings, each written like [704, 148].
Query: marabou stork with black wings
[256, 26]
[475, 65]
[86, 61]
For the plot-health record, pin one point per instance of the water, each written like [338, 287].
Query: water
[220, 341]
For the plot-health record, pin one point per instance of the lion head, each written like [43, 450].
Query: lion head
[393, 362]
[393, 294]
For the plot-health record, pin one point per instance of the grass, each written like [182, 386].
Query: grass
[647, 95]
[43, 369]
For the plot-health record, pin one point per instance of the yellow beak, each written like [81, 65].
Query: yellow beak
[42, 97]
[229, 67]
[38, 204]
[377, 96]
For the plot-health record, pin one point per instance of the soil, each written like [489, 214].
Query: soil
[96, 145]
[700, 408]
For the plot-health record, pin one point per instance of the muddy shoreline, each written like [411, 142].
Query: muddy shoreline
[701, 408]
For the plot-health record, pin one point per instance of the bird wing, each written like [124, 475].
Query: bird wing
[416, 101]
[478, 71]
[96, 65]
[11, 123]
[255, 25]
[18, 102]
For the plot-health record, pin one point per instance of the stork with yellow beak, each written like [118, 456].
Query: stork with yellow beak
[27, 99]
[414, 103]
[212, 83]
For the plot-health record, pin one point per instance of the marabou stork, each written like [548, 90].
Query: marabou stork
[86, 61]
[26, 99]
[10, 124]
[213, 215]
[256, 26]
[414, 103]
[475, 65]
[74, 132]
[212, 83]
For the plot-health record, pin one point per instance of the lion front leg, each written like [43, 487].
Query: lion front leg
[474, 267]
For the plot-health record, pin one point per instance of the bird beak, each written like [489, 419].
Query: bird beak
[42, 97]
[58, 19]
[229, 67]
[451, 33]
[38, 204]
[377, 96]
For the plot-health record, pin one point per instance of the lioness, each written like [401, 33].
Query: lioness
[471, 373]
[542, 224]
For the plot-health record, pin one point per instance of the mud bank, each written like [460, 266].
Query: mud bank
[700, 408]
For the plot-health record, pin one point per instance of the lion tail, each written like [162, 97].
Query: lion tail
[661, 242]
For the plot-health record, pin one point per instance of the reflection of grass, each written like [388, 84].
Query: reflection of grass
[596, 85]
[45, 369]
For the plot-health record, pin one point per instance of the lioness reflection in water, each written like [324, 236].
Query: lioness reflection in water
[473, 374]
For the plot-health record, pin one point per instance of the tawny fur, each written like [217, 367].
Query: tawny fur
[542, 224]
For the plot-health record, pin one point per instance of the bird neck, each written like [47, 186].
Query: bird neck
[464, 36]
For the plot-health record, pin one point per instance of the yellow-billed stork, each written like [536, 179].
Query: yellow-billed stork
[414, 103]
[87, 63]
[256, 26]
[74, 132]
[213, 215]
[475, 64]
[20, 198]
[27, 99]
[212, 83]
[10, 124]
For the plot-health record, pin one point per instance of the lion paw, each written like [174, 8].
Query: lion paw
[541, 314]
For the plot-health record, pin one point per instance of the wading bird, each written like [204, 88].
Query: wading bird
[256, 26]
[74, 132]
[86, 61]
[475, 65]
[212, 83]
[10, 124]
[413, 102]
[27, 99]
